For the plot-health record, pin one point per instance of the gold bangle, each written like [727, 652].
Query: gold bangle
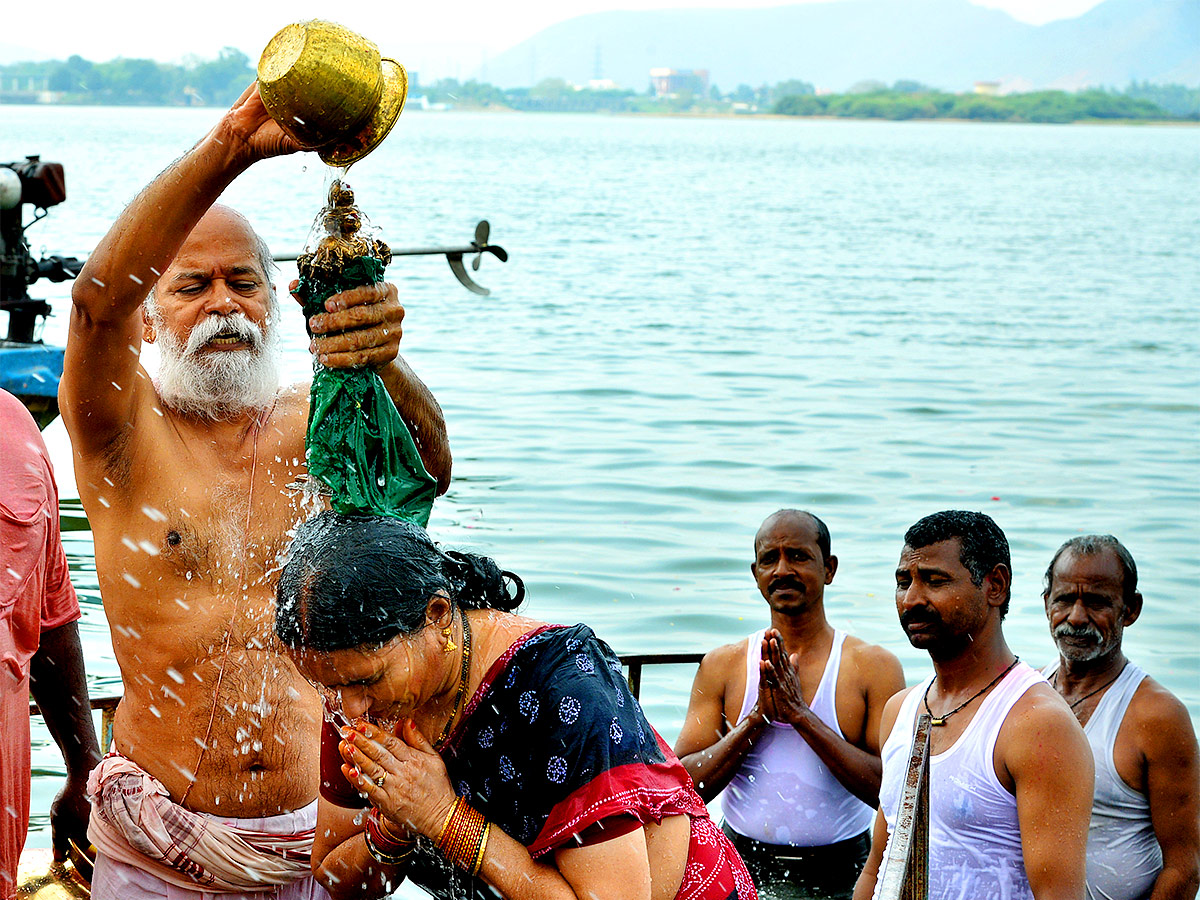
[388, 859]
[446, 823]
[383, 838]
[464, 835]
[487, 830]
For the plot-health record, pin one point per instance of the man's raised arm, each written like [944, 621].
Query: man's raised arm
[100, 386]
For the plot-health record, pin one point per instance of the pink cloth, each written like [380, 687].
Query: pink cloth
[35, 596]
[134, 821]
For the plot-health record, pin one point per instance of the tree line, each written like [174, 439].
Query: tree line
[218, 82]
[132, 82]
[1034, 106]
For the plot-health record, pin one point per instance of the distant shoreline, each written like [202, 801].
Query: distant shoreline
[666, 114]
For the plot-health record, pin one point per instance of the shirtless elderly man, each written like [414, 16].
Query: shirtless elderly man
[183, 480]
[787, 721]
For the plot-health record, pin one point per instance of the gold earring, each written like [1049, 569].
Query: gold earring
[450, 645]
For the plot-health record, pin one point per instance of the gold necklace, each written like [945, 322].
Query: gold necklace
[941, 720]
[462, 685]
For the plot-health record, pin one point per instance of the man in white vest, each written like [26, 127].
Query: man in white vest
[1010, 774]
[1144, 838]
[787, 722]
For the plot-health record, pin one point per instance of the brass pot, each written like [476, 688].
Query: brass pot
[329, 88]
[40, 877]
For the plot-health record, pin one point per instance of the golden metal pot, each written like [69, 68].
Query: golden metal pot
[329, 88]
[39, 877]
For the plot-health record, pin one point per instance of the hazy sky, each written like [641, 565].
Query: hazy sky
[433, 39]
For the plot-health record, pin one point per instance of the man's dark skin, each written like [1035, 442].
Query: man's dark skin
[1155, 752]
[1041, 757]
[57, 683]
[191, 512]
[791, 572]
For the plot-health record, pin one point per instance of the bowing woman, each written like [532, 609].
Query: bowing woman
[479, 753]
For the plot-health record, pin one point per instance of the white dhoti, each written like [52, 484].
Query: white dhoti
[149, 846]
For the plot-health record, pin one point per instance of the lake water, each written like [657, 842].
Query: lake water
[704, 320]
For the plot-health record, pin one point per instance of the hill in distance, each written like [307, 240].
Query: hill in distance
[948, 44]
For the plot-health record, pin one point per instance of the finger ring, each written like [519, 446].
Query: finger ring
[380, 780]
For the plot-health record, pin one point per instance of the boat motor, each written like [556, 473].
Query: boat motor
[41, 185]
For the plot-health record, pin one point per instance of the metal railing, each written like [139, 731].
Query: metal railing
[634, 662]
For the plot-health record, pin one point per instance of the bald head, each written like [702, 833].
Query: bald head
[797, 517]
[221, 228]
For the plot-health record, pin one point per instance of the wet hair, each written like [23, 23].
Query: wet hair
[823, 542]
[1090, 545]
[357, 580]
[983, 545]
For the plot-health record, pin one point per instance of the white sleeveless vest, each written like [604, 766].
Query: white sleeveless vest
[974, 835]
[1123, 856]
[783, 793]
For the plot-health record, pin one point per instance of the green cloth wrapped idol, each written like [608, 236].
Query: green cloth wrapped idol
[358, 446]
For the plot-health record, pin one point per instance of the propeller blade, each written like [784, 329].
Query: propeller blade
[460, 272]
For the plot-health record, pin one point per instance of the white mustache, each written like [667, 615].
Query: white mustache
[233, 324]
[221, 384]
[1086, 631]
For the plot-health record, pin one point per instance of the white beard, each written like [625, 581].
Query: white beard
[1099, 647]
[218, 384]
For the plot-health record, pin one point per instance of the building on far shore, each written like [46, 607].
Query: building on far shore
[669, 82]
[27, 89]
[988, 88]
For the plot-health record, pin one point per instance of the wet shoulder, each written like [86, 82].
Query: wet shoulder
[1040, 722]
[891, 711]
[870, 665]
[1157, 717]
[726, 663]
